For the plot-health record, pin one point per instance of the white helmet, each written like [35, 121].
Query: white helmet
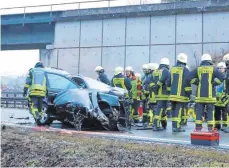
[164, 61]
[138, 75]
[129, 68]
[153, 66]
[144, 66]
[221, 65]
[98, 68]
[182, 57]
[206, 57]
[118, 70]
[226, 57]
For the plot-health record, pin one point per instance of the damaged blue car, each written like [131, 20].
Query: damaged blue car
[83, 102]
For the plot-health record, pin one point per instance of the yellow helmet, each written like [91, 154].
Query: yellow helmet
[182, 57]
[98, 68]
[118, 70]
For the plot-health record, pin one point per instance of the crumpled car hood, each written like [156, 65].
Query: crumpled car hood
[85, 99]
[78, 96]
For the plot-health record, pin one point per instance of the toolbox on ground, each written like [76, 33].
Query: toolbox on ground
[205, 138]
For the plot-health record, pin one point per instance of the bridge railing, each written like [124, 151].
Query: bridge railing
[79, 5]
[13, 100]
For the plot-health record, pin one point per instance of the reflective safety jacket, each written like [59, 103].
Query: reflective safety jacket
[149, 84]
[145, 85]
[136, 87]
[161, 76]
[177, 84]
[36, 82]
[121, 81]
[220, 92]
[208, 77]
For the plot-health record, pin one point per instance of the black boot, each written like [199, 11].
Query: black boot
[155, 126]
[164, 124]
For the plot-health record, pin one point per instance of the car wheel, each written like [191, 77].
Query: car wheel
[45, 117]
[112, 120]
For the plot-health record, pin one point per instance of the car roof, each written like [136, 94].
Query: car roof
[57, 71]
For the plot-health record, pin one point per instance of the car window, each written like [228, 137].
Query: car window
[80, 82]
[94, 84]
[60, 82]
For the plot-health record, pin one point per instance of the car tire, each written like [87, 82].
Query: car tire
[112, 122]
[45, 119]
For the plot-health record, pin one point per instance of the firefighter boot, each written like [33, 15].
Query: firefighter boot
[164, 124]
[156, 126]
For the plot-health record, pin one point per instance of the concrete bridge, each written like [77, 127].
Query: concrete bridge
[79, 40]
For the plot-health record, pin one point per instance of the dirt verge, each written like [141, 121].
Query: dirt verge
[23, 147]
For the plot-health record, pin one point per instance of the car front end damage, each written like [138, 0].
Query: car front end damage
[77, 106]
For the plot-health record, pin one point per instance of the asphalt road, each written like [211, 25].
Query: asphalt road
[22, 117]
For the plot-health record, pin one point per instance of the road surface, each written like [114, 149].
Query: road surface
[17, 116]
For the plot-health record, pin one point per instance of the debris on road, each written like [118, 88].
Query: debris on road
[24, 147]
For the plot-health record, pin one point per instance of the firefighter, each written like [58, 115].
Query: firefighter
[145, 72]
[152, 100]
[160, 78]
[208, 77]
[178, 96]
[119, 80]
[36, 85]
[226, 97]
[102, 76]
[135, 94]
[220, 110]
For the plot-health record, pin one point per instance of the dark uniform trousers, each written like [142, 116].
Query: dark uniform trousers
[177, 113]
[36, 106]
[220, 112]
[200, 107]
[160, 114]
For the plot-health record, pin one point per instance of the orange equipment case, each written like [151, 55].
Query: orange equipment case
[205, 138]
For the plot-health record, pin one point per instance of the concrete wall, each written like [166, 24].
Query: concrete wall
[82, 45]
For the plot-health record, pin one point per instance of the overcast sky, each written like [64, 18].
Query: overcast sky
[18, 62]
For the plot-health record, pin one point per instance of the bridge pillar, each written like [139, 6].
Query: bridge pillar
[49, 57]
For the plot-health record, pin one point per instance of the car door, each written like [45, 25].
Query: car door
[56, 84]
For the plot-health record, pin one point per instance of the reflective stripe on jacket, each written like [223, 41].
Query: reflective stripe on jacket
[161, 77]
[208, 77]
[177, 83]
[36, 82]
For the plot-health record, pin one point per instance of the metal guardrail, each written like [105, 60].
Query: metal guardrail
[80, 5]
[13, 100]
